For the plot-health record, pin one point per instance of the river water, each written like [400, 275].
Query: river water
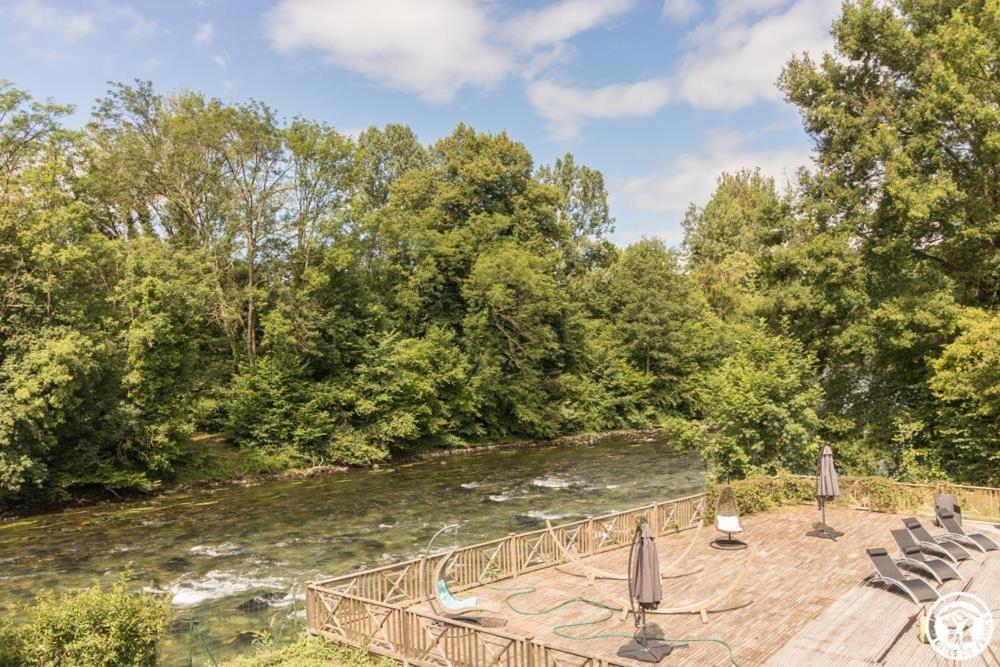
[234, 559]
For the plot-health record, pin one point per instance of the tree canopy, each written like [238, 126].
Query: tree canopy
[181, 264]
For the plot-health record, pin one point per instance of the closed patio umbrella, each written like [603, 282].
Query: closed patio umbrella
[826, 489]
[645, 592]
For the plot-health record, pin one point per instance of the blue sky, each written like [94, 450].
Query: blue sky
[660, 95]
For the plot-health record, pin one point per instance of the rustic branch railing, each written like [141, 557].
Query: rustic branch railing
[977, 502]
[369, 609]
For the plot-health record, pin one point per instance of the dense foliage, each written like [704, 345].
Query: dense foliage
[87, 628]
[309, 652]
[182, 264]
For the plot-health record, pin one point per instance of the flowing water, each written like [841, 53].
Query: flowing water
[235, 559]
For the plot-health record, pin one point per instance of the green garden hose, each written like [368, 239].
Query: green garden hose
[560, 630]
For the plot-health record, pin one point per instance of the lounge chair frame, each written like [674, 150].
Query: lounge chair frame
[937, 542]
[920, 562]
[948, 502]
[900, 583]
[956, 533]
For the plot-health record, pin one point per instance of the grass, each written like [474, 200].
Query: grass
[310, 652]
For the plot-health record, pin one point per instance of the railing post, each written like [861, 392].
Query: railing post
[590, 534]
[512, 554]
[404, 636]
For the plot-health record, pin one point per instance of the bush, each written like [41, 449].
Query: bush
[307, 652]
[11, 654]
[883, 495]
[91, 628]
[761, 494]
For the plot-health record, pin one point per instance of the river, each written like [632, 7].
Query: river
[235, 558]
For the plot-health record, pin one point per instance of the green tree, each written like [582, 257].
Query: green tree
[906, 124]
[513, 330]
[658, 316]
[727, 239]
[759, 408]
[966, 381]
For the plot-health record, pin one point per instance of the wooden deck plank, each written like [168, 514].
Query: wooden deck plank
[803, 602]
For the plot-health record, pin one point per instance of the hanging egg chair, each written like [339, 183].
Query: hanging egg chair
[727, 520]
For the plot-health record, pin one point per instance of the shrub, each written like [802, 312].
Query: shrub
[883, 495]
[11, 650]
[92, 628]
[764, 493]
[761, 494]
[308, 652]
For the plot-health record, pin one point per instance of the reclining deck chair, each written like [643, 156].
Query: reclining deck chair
[938, 545]
[886, 572]
[911, 554]
[946, 501]
[956, 533]
[727, 520]
[450, 606]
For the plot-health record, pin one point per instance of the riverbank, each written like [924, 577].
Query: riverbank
[251, 478]
[215, 463]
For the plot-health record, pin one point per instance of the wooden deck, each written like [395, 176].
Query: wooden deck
[803, 602]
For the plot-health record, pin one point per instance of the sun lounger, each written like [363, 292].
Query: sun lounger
[957, 534]
[911, 554]
[887, 572]
[939, 545]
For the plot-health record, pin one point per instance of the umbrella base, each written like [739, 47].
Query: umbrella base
[824, 531]
[653, 651]
[727, 544]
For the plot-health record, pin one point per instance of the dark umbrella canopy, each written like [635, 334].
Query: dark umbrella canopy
[826, 483]
[644, 571]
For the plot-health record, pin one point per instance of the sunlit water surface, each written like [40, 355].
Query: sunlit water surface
[235, 559]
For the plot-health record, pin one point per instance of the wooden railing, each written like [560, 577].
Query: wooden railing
[369, 609]
[977, 502]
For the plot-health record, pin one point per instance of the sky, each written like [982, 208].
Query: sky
[660, 95]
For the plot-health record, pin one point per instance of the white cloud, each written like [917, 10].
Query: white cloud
[731, 61]
[691, 177]
[434, 48]
[139, 27]
[34, 16]
[431, 48]
[204, 33]
[734, 60]
[51, 28]
[220, 59]
[566, 108]
[561, 21]
[680, 10]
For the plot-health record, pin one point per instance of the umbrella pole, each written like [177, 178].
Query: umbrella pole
[822, 507]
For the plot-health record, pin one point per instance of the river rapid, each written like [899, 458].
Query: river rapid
[235, 559]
